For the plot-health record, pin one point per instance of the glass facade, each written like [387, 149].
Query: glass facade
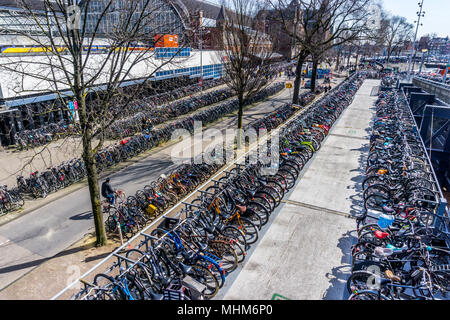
[154, 17]
[16, 22]
[209, 71]
[172, 52]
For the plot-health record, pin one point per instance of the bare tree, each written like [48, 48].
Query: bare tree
[249, 51]
[69, 66]
[396, 32]
[319, 25]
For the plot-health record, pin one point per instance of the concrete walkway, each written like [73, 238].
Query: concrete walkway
[305, 253]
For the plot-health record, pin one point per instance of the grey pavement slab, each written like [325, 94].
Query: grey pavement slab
[293, 259]
[305, 252]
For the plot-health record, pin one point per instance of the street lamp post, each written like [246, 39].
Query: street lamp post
[420, 14]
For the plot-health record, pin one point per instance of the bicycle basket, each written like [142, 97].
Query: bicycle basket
[151, 209]
[176, 291]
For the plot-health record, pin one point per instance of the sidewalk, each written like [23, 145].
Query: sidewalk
[305, 253]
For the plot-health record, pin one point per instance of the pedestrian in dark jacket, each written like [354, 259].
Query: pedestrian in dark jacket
[108, 192]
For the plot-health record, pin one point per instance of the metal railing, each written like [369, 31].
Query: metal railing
[442, 206]
[440, 90]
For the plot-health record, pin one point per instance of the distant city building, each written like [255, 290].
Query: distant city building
[271, 23]
[435, 46]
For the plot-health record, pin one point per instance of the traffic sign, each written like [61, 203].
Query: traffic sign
[289, 85]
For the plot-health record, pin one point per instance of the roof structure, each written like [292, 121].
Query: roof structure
[16, 4]
[210, 10]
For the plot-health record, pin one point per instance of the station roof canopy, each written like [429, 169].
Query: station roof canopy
[16, 4]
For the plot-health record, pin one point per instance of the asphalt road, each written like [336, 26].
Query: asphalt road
[32, 239]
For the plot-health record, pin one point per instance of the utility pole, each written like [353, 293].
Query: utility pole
[420, 14]
[423, 59]
[201, 49]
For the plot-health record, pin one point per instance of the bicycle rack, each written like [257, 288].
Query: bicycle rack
[205, 192]
[190, 205]
[147, 238]
[216, 182]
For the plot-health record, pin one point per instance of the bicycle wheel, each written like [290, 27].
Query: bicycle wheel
[107, 288]
[375, 202]
[274, 193]
[362, 280]
[253, 217]
[269, 199]
[111, 224]
[226, 253]
[290, 178]
[207, 279]
[277, 186]
[236, 234]
[250, 230]
[263, 202]
[260, 210]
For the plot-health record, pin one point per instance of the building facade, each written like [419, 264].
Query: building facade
[154, 16]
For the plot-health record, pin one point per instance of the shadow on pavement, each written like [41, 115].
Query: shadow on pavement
[82, 216]
[339, 275]
[37, 262]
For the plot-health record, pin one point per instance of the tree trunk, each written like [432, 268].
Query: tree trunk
[94, 191]
[240, 116]
[388, 57]
[338, 60]
[357, 60]
[298, 78]
[91, 172]
[314, 75]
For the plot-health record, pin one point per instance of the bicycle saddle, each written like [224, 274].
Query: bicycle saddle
[185, 268]
[202, 246]
[210, 229]
[188, 256]
[388, 209]
[390, 275]
[381, 235]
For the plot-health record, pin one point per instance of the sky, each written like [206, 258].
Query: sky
[436, 19]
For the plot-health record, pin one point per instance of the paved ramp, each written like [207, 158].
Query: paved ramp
[304, 254]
